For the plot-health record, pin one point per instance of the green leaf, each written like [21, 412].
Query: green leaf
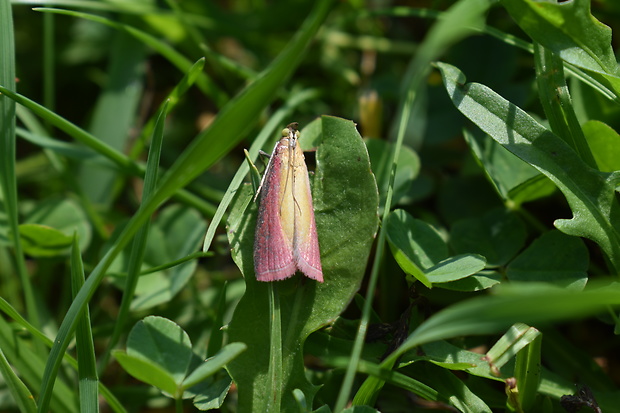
[345, 203]
[161, 343]
[43, 241]
[605, 144]
[555, 258]
[421, 252]
[569, 29]
[448, 354]
[455, 268]
[63, 215]
[213, 397]
[513, 179]
[70, 150]
[214, 364]
[590, 194]
[147, 371]
[416, 239]
[476, 282]
[497, 235]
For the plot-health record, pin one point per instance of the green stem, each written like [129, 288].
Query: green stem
[557, 103]
[8, 182]
[275, 355]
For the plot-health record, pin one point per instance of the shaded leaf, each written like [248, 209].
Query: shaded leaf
[60, 216]
[605, 144]
[43, 241]
[497, 235]
[455, 268]
[162, 343]
[513, 179]
[555, 258]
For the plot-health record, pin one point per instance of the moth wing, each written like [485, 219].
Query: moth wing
[273, 250]
[306, 242]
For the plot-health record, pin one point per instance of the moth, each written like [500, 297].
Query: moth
[286, 240]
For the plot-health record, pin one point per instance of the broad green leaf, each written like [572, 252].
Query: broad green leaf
[590, 194]
[605, 144]
[416, 239]
[214, 364]
[513, 179]
[213, 397]
[345, 203]
[569, 29]
[497, 235]
[421, 252]
[147, 371]
[163, 344]
[555, 258]
[455, 268]
[476, 282]
[60, 216]
[43, 241]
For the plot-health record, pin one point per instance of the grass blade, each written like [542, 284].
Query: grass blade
[87, 366]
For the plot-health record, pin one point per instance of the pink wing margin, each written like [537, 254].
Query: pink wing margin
[273, 252]
[306, 251]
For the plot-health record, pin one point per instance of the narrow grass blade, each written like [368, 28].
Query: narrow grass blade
[8, 182]
[22, 396]
[87, 366]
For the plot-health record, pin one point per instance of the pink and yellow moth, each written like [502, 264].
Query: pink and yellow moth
[286, 240]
